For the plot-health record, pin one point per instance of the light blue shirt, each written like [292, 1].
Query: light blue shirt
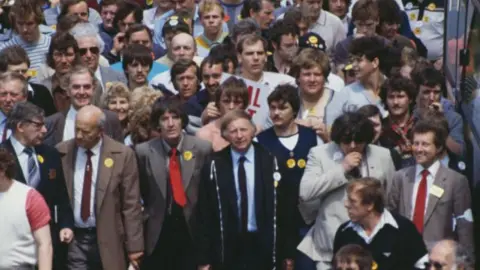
[157, 68]
[249, 166]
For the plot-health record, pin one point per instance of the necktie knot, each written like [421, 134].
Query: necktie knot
[173, 152]
[28, 151]
[425, 173]
[242, 159]
[89, 153]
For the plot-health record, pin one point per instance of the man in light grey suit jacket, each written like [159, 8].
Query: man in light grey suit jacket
[329, 169]
[445, 206]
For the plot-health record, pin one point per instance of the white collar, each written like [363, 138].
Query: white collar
[385, 218]
[433, 169]
[17, 146]
[30, 89]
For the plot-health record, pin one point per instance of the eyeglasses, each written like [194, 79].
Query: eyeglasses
[93, 50]
[37, 125]
[434, 264]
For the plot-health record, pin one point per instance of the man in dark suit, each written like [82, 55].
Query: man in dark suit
[81, 85]
[15, 59]
[39, 166]
[238, 203]
[170, 175]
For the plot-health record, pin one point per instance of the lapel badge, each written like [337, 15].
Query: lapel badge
[40, 159]
[374, 265]
[108, 85]
[462, 166]
[301, 163]
[277, 176]
[291, 163]
[108, 162]
[431, 7]
[52, 174]
[413, 16]
[187, 155]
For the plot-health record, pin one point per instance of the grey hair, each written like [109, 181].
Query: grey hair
[22, 112]
[243, 27]
[231, 116]
[85, 29]
[462, 256]
[14, 76]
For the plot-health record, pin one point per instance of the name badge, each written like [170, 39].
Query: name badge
[436, 191]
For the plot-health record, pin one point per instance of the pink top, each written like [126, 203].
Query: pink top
[211, 133]
[38, 213]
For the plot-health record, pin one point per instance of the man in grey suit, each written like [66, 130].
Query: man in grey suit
[80, 85]
[170, 169]
[329, 169]
[90, 46]
[436, 198]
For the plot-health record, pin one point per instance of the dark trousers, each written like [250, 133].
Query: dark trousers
[83, 252]
[174, 249]
[302, 261]
[59, 249]
[249, 253]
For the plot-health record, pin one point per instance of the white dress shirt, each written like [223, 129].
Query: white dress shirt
[23, 157]
[249, 166]
[98, 75]
[433, 169]
[78, 177]
[3, 122]
[69, 129]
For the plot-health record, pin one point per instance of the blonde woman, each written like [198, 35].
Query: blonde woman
[117, 99]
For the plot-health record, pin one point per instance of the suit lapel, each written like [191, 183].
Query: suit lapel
[18, 172]
[439, 181]
[106, 164]
[408, 190]
[259, 184]
[42, 165]
[370, 165]
[158, 165]
[68, 160]
[226, 179]
[60, 127]
[187, 161]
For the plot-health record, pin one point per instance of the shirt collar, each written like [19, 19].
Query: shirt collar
[249, 155]
[72, 112]
[3, 118]
[17, 146]
[433, 169]
[30, 89]
[168, 148]
[322, 18]
[95, 149]
[385, 218]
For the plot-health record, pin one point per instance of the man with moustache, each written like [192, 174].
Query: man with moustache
[239, 202]
[329, 169]
[80, 85]
[169, 181]
[420, 192]
[102, 183]
[39, 166]
[290, 144]
[137, 63]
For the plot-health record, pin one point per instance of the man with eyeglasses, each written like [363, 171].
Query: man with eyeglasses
[15, 59]
[80, 90]
[39, 166]
[90, 46]
[448, 255]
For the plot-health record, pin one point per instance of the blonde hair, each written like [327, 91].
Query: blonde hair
[209, 5]
[141, 101]
[115, 90]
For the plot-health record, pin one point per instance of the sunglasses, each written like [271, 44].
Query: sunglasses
[435, 265]
[93, 50]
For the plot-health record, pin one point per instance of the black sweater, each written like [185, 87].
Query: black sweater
[391, 248]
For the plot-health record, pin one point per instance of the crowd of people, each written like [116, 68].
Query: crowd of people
[134, 136]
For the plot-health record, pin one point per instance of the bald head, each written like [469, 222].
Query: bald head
[183, 47]
[89, 125]
[450, 254]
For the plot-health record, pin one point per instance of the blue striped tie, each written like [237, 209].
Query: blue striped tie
[33, 172]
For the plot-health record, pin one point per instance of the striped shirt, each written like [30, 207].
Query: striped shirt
[37, 52]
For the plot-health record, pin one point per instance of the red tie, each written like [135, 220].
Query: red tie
[419, 212]
[176, 179]
[87, 187]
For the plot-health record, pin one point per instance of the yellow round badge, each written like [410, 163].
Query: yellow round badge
[374, 266]
[108, 85]
[417, 31]
[301, 163]
[426, 19]
[187, 155]
[291, 163]
[149, 2]
[40, 159]
[413, 16]
[313, 40]
[108, 162]
[431, 7]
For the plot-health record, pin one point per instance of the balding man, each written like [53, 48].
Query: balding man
[183, 46]
[104, 190]
[448, 255]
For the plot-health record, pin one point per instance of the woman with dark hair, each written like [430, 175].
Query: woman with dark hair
[330, 167]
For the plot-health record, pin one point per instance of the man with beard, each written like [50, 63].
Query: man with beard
[323, 23]
[284, 38]
[80, 84]
[137, 62]
[13, 89]
[39, 166]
